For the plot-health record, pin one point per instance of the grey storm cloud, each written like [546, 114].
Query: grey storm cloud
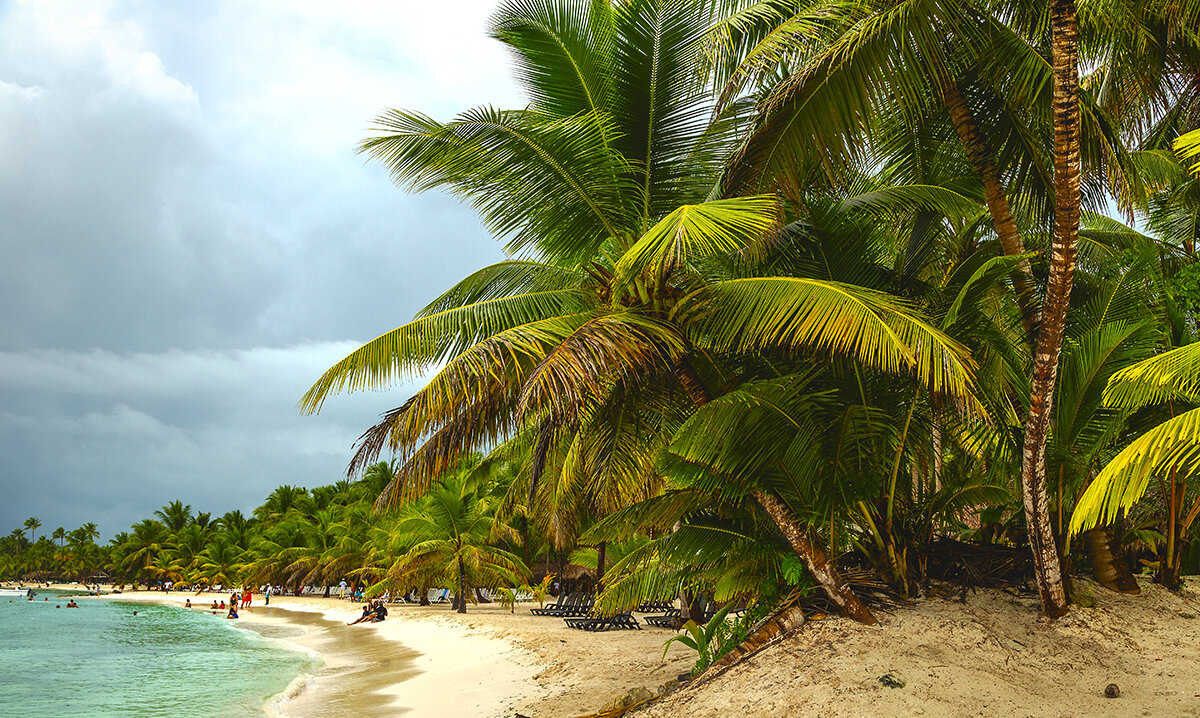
[189, 239]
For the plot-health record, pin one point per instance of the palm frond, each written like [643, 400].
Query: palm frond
[1173, 446]
[1188, 146]
[562, 52]
[794, 313]
[1170, 376]
[549, 183]
[713, 228]
[407, 350]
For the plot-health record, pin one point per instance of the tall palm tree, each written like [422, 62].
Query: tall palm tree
[147, 539]
[32, 524]
[220, 562]
[1063, 247]
[89, 531]
[175, 515]
[60, 535]
[602, 181]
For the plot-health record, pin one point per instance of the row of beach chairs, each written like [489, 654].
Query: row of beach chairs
[577, 611]
[575, 605]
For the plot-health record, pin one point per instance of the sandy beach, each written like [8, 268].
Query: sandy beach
[430, 661]
[990, 655]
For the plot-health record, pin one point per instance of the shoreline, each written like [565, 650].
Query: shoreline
[430, 661]
[407, 667]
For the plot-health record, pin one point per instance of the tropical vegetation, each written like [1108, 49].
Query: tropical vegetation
[795, 292]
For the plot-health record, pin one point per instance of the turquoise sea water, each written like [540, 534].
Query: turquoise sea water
[102, 660]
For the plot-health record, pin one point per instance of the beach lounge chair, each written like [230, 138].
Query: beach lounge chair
[580, 609]
[442, 596]
[668, 619]
[601, 623]
[552, 609]
[655, 606]
[574, 605]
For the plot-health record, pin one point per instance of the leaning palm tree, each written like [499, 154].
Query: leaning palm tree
[602, 184]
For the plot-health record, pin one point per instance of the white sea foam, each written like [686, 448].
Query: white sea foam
[274, 706]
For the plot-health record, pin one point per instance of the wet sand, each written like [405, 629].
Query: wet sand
[358, 666]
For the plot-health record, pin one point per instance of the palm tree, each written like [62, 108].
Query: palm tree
[449, 533]
[220, 562]
[89, 532]
[148, 538]
[282, 500]
[60, 535]
[1064, 245]
[603, 181]
[175, 516]
[32, 524]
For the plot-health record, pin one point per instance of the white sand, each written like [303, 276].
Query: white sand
[488, 662]
[992, 656]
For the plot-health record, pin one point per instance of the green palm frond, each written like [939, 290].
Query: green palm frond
[1173, 446]
[982, 281]
[1170, 376]
[549, 183]
[659, 513]
[713, 228]
[509, 278]
[562, 52]
[903, 199]
[407, 350]
[662, 110]
[747, 45]
[794, 313]
[587, 358]
[1188, 146]
[818, 116]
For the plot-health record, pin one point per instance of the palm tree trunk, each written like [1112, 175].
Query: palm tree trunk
[1047, 567]
[980, 156]
[600, 551]
[462, 586]
[1109, 567]
[813, 557]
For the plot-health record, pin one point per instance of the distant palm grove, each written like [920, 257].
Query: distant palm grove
[829, 296]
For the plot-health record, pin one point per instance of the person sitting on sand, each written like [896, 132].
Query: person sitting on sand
[222, 606]
[214, 605]
[380, 612]
[232, 612]
[367, 615]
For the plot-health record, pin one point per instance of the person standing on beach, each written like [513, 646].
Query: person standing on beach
[267, 596]
[247, 595]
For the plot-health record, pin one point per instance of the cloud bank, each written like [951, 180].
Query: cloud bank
[190, 239]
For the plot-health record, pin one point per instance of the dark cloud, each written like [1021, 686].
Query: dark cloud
[190, 239]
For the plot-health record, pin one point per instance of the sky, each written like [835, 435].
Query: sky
[188, 239]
